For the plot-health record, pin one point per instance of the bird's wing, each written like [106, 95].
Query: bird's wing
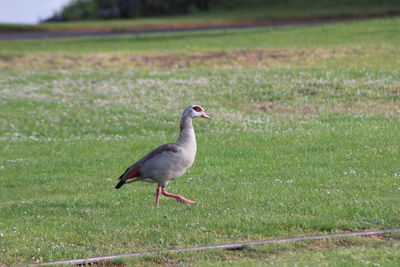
[131, 172]
[134, 170]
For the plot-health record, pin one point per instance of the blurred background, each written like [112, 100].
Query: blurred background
[304, 138]
[32, 12]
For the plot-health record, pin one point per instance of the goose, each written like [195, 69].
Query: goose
[169, 161]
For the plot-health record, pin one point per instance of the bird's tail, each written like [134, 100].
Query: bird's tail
[121, 183]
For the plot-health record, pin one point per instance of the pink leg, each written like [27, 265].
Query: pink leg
[158, 195]
[177, 197]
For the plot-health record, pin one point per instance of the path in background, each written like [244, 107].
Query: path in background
[182, 27]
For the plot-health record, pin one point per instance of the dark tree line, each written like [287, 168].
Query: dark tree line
[101, 9]
[107, 9]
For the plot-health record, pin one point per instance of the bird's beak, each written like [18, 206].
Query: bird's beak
[204, 115]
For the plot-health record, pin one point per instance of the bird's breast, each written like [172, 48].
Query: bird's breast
[168, 165]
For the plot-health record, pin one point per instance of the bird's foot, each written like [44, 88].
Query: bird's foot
[182, 199]
[178, 198]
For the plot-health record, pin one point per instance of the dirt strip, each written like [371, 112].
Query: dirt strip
[227, 246]
[107, 31]
[259, 57]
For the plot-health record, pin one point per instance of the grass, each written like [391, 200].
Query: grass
[361, 33]
[360, 44]
[354, 251]
[293, 149]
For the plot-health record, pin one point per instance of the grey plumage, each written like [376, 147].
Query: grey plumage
[169, 161]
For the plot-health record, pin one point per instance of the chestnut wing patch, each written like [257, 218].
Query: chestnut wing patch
[131, 172]
[134, 170]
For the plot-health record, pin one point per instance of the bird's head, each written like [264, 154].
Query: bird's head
[196, 111]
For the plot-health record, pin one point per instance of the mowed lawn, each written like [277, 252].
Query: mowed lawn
[304, 140]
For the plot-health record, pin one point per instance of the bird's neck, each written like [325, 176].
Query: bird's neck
[187, 137]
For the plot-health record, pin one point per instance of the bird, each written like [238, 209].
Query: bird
[170, 161]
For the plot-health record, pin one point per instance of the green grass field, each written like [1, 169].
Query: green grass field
[304, 140]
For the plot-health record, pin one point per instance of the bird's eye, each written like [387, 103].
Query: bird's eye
[197, 109]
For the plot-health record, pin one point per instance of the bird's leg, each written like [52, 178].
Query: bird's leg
[158, 195]
[177, 197]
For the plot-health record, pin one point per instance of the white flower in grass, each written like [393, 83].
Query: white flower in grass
[16, 160]
[350, 172]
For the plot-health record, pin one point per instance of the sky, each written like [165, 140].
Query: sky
[28, 11]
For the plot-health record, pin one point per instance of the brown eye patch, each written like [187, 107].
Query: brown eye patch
[197, 109]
